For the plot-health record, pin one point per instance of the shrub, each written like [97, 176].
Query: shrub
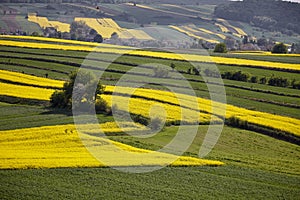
[220, 48]
[279, 48]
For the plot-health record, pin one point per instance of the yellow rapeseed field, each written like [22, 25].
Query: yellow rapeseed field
[190, 57]
[213, 33]
[64, 41]
[106, 27]
[188, 31]
[28, 79]
[223, 28]
[103, 27]
[27, 92]
[264, 53]
[171, 113]
[239, 31]
[61, 146]
[43, 23]
[133, 33]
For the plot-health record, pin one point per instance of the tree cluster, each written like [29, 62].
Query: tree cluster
[237, 76]
[80, 31]
[83, 96]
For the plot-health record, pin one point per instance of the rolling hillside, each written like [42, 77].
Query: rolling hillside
[150, 113]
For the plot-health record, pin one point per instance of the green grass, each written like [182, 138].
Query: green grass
[235, 147]
[15, 116]
[228, 182]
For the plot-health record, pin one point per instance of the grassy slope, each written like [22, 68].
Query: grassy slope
[229, 182]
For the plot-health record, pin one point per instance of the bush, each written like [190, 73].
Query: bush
[220, 48]
[98, 38]
[278, 81]
[279, 48]
[253, 79]
[58, 99]
[140, 119]
[237, 76]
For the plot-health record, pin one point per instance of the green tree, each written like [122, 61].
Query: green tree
[279, 48]
[253, 79]
[83, 94]
[220, 48]
[172, 66]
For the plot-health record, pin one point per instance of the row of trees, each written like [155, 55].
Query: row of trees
[246, 77]
[277, 48]
[273, 80]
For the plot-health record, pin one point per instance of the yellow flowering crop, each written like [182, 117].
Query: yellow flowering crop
[133, 33]
[264, 53]
[61, 146]
[239, 31]
[106, 27]
[28, 79]
[60, 26]
[27, 92]
[223, 28]
[212, 33]
[149, 108]
[103, 27]
[44, 23]
[189, 33]
[92, 44]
